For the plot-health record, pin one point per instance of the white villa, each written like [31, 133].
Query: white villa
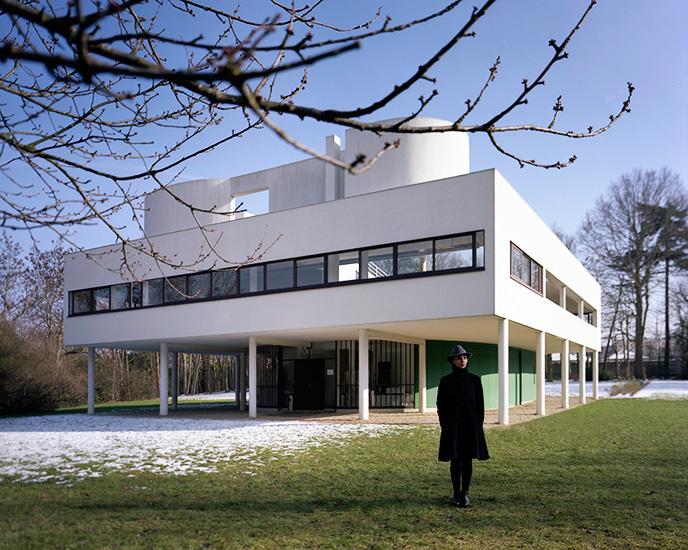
[368, 283]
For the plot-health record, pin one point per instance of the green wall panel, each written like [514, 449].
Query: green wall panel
[484, 363]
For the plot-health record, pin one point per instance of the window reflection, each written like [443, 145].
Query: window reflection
[466, 251]
[414, 257]
[225, 282]
[343, 266]
[454, 252]
[81, 301]
[251, 279]
[199, 286]
[120, 296]
[310, 271]
[152, 292]
[377, 263]
[175, 289]
[101, 299]
[280, 275]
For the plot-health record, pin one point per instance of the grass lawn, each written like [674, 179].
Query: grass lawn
[611, 474]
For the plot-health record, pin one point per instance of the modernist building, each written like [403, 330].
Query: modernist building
[359, 289]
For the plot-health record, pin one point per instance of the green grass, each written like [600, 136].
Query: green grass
[611, 474]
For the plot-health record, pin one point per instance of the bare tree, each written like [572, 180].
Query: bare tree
[619, 239]
[100, 102]
[568, 240]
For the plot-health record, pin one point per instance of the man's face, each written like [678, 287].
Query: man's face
[460, 361]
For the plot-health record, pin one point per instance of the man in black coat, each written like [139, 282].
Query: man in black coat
[461, 408]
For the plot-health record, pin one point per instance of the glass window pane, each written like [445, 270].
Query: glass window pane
[377, 263]
[535, 277]
[120, 296]
[225, 282]
[310, 271]
[175, 289]
[526, 269]
[454, 253]
[516, 261]
[199, 286]
[81, 301]
[480, 249]
[343, 266]
[414, 257]
[152, 292]
[251, 279]
[137, 294]
[101, 299]
[280, 275]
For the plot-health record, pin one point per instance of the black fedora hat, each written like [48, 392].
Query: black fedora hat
[456, 351]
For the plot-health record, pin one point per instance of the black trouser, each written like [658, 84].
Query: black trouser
[461, 470]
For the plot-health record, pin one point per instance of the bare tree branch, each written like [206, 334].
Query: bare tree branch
[101, 104]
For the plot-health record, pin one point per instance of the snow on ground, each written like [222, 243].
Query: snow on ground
[64, 448]
[656, 389]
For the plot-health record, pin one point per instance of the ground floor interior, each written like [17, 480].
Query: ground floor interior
[379, 372]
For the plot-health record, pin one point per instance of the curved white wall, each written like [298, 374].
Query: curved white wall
[419, 157]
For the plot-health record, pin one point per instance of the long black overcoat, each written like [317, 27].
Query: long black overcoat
[461, 408]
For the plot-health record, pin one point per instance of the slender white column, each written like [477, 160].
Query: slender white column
[252, 378]
[422, 379]
[503, 368]
[363, 374]
[174, 382]
[91, 381]
[242, 382]
[582, 357]
[595, 374]
[540, 372]
[565, 374]
[164, 378]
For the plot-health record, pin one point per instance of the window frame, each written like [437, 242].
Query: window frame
[137, 290]
[525, 260]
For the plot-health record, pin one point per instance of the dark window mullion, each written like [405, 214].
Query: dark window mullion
[475, 251]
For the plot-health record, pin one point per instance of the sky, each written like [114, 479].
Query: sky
[622, 41]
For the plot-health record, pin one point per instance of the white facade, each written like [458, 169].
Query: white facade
[422, 190]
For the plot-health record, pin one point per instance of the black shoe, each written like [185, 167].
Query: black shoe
[466, 502]
[455, 500]
[460, 501]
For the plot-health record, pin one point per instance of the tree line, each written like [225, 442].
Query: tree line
[104, 102]
[37, 373]
[635, 242]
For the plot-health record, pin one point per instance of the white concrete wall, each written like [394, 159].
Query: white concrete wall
[516, 222]
[165, 214]
[479, 201]
[407, 213]
[290, 186]
[419, 158]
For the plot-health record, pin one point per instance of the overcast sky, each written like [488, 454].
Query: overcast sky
[622, 41]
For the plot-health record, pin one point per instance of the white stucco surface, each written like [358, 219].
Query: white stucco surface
[404, 200]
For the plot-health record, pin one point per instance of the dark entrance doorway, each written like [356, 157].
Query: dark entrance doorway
[309, 384]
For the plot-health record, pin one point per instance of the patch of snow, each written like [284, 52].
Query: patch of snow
[64, 448]
[656, 389]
